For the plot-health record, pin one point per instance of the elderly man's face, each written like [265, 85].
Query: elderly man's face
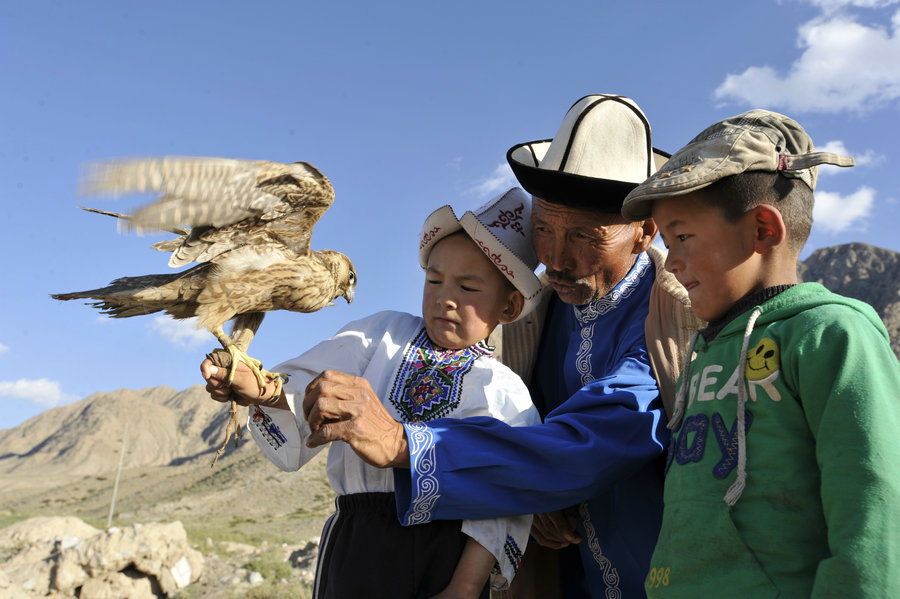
[586, 253]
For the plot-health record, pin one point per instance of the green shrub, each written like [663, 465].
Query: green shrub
[271, 564]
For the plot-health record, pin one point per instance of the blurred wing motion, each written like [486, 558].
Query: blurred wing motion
[247, 225]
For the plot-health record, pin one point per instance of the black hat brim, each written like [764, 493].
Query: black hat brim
[571, 190]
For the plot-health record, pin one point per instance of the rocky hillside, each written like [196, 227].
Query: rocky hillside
[66, 458]
[165, 427]
[864, 272]
[246, 516]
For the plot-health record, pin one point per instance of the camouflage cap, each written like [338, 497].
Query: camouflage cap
[757, 140]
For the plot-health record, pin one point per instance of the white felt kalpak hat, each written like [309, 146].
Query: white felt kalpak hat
[602, 150]
[502, 229]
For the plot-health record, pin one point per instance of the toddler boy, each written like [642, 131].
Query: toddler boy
[479, 272]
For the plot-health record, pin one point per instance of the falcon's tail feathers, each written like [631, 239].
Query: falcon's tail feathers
[136, 296]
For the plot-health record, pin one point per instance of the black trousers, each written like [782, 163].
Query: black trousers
[366, 553]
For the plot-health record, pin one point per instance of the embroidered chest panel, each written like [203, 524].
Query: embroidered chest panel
[428, 384]
[588, 314]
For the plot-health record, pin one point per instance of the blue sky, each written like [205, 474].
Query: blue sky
[405, 106]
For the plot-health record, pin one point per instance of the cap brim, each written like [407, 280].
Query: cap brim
[439, 224]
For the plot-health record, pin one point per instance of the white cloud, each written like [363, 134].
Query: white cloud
[844, 65]
[829, 6]
[43, 392]
[500, 180]
[834, 213]
[3, 349]
[181, 333]
[867, 158]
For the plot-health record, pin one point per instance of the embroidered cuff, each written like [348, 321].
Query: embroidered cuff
[423, 479]
[267, 431]
[277, 436]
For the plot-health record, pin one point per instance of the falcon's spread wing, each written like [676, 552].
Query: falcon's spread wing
[225, 203]
[248, 224]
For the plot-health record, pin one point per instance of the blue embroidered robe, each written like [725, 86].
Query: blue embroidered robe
[600, 446]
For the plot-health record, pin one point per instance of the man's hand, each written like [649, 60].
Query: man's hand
[555, 529]
[342, 407]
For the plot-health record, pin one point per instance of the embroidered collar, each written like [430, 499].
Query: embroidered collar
[443, 355]
[428, 384]
[621, 291]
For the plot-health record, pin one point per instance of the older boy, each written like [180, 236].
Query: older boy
[783, 478]
[479, 272]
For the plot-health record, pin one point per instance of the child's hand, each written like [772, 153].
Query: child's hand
[244, 389]
[554, 530]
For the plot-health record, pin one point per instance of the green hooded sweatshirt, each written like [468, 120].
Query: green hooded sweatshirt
[805, 503]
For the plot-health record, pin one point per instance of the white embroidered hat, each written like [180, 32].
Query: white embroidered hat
[502, 229]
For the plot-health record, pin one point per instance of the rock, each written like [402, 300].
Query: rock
[8, 590]
[149, 560]
[120, 584]
[304, 561]
[305, 557]
[44, 528]
[237, 549]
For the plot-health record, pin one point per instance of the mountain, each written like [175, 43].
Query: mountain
[864, 272]
[165, 427]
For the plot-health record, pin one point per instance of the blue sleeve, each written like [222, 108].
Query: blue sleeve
[482, 468]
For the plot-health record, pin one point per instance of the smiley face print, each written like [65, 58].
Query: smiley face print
[763, 360]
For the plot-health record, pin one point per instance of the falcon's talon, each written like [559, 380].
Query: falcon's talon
[232, 429]
[276, 394]
[255, 366]
[276, 375]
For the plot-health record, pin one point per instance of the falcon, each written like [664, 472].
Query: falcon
[247, 225]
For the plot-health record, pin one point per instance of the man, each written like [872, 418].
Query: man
[589, 358]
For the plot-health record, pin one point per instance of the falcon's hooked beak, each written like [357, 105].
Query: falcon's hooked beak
[351, 285]
[347, 295]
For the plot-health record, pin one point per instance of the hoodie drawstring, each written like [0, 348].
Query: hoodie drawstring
[737, 488]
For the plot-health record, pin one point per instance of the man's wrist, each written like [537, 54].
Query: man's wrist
[401, 455]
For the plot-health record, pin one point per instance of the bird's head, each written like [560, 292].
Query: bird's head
[343, 272]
